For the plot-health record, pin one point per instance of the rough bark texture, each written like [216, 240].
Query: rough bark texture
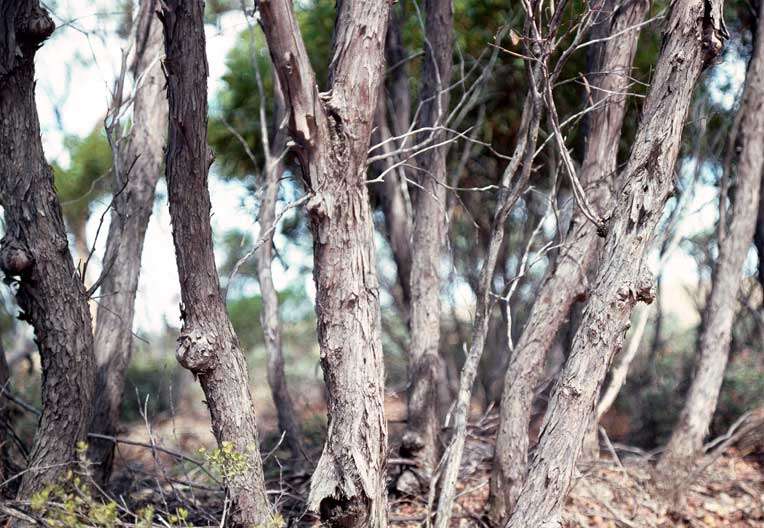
[136, 174]
[35, 253]
[332, 132]
[269, 319]
[427, 374]
[567, 282]
[207, 345]
[695, 418]
[693, 37]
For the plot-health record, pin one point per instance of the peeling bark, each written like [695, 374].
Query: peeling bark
[134, 185]
[35, 255]
[693, 38]
[207, 345]
[695, 418]
[427, 374]
[567, 282]
[331, 132]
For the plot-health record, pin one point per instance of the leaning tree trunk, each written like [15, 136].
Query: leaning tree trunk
[520, 165]
[566, 283]
[427, 373]
[136, 175]
[331, 133]
[35, 254]
[693, 38]
[699, 407]
[207, 345]
[271, 323]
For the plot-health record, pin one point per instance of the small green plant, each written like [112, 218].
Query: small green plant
[226, 461]
[70, 504]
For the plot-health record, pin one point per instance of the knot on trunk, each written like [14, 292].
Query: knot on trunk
[35, 27]
[196, 351]
[15, 261]
[640, 290]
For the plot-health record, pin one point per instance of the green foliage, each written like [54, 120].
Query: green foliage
[226, 461]
[86, 178]
[70, 503]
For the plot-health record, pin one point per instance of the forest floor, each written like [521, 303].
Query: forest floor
[622, 488]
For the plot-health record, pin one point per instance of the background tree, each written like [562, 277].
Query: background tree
[135, 175]
[734, 242]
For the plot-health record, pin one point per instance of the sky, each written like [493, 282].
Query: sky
[75, 70]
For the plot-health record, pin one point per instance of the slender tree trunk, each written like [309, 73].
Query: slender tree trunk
[207, 345]
[271, 323]
[523, 153]
[694, 36]
[5, 425]
[398, 225]
[695, 418]
[331, 132]
[34, 254]
[567, 282]
[134, 184]
[427, 372]
[393, 192]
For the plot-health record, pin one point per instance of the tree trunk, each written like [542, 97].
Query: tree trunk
[695, 418]
[135, 180]
[693, 38]
[427, 374]
[331, 132]
[567, 282]
[35, 254]
[5, 425]
[523, 153]
[394, 187]
[207, 345]
[271, 323]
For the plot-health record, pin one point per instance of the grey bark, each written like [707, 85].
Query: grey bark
[207, 345]
[331, 132]
[695, 418]
[34, 253]
[523, 155]
[427, 374]
[271, 323]
[136, 175]
[567, 282]
[694, 36]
